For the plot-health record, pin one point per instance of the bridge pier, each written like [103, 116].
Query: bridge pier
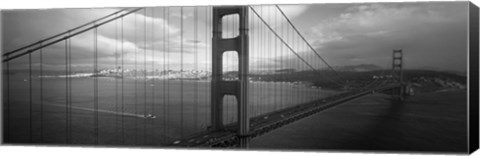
[398, 93]
[220, 87]
[244, 142]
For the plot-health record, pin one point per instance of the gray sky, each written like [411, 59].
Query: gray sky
[432, 35]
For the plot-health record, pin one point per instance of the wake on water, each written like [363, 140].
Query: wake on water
[108, 111]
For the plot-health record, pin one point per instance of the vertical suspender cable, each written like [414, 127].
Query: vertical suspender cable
[67, 139]
[258, 61]
[144, 73]
[271, 53]
[312, 83]
[70, 89]
[135, 76]
[276, 82]
[30, 128]
[285, 76]
[168, 72]
[275, 56]
[67, 75]
[95, 70]
[302, 89]
[264, 49]
[305, 71]
[259, 65]
[274, 50]
[206, 67]
[290, 65]
[154, 74]
[288, 77]
[299, 71]
[181, 71]
[265, 64]
[164, 75]
[309, 89]
[306, 89]
[254, 64]
[122, 91]
[252, 57]
[282, 88]
[7, 109]
[116, 82]
[296, 63]
[307, 86]
[41, 93]
[195, 98]
[264, 55]
[208, 58]
[283, 66]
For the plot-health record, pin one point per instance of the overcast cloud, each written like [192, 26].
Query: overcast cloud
[432, 35]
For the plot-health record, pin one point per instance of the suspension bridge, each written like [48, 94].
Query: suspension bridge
[149, 77]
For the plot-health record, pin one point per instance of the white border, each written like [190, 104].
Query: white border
[74, 151]
[43, 4]
[468, 77]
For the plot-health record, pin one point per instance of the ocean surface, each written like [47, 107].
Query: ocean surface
[180, 108]
[426, 122]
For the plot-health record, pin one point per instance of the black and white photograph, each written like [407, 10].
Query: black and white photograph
[375, 76]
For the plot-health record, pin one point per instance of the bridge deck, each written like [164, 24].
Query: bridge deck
[270, 121]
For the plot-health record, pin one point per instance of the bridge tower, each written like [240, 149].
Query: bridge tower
[397, 70]
[397, 65]
[220, 87]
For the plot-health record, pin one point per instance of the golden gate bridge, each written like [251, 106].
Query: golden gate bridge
[231, 74]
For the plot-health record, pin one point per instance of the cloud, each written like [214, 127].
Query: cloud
[429, 33]
[141, 32]
[273, 17]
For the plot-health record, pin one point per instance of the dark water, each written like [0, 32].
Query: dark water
[426, 122]
[180, 110]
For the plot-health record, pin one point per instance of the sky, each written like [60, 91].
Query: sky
[432, 36]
